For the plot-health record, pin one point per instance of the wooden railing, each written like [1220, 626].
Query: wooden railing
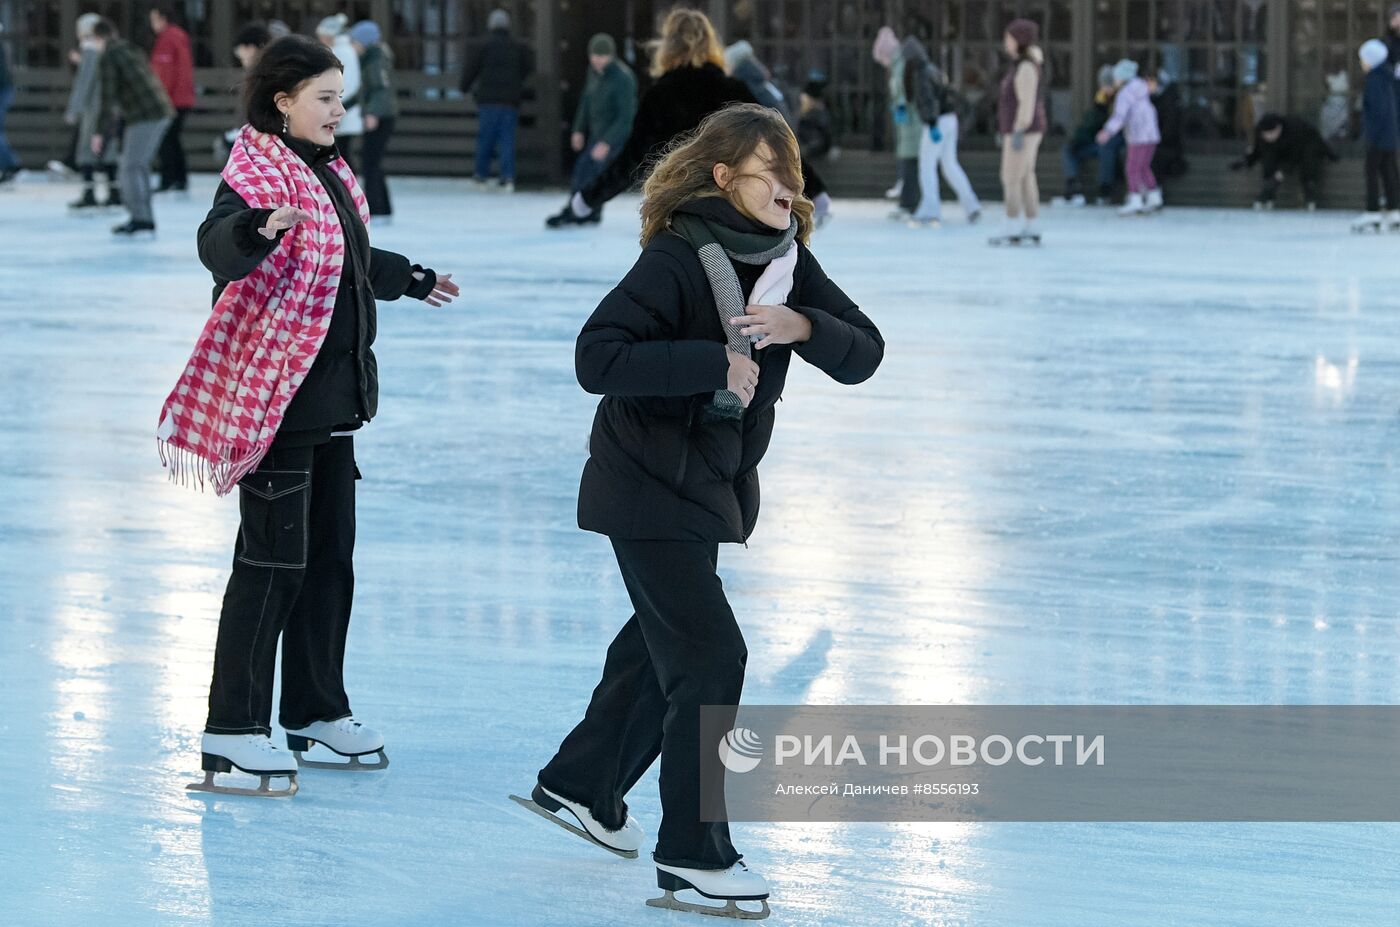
[435, 134]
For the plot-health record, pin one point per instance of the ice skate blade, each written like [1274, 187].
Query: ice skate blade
[730, 909]
[262, 791]
[555, 819]
[355, 764]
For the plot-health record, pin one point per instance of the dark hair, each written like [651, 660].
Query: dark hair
[282, 67]
[255, 34]
[166, 11]
[103, 28]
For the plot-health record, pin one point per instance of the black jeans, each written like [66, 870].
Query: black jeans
[293, 576]
[173, 170]
[1381, 169]
[1309, 168]
[372, 167]
[910, 193]
[681, 649]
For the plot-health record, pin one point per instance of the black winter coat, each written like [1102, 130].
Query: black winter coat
[1300, 147]
[498, 70]
[655, 351]
[341, 391]
[676, 103]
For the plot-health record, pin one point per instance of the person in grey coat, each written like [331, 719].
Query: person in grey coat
[84, 111]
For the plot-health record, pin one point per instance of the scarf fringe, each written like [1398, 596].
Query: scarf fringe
[189, 469]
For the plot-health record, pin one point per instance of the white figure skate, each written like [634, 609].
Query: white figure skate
[346, 737]
[255, 754]
[731, 886]
[559, 810]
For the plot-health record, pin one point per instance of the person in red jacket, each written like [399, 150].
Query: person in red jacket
[174, 68]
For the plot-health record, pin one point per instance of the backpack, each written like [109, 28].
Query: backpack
[932, 96]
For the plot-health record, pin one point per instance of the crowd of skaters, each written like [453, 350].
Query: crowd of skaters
[128, 109]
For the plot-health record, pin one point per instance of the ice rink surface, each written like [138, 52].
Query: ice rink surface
[1152, 462]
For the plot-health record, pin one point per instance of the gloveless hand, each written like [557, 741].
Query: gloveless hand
[777, 325]
[444, 291]
[284, 218]
[743, 377]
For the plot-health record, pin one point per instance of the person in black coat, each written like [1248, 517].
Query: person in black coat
[495, 74]
[1284, 144]
[690, 85]
[1380, 129]
[298, 506]
[686, 417]
[1169, 160]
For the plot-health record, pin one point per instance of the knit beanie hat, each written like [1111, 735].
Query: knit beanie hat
[1025, 32]
[1269, 122]
[499, 19]
[366, 32]
[1106, 76]
[333, 26]
[1125, 71]
[1373, 53]
[886, 46]
[602, 44]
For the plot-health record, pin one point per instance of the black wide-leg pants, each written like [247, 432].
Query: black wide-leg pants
[293, 577]
[681, 649]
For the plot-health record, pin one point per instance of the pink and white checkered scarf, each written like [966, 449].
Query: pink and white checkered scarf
[265, 330]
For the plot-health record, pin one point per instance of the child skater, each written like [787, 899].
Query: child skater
[1136, 117]
[690, 352]
[1380, 127]
[280, 378]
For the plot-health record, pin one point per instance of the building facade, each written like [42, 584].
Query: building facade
[1231, 59]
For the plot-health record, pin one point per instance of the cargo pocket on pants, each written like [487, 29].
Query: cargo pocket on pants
[275, 506]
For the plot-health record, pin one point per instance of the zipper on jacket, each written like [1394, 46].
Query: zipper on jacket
[685, 447]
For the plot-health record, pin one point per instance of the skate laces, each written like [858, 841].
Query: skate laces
[348, 725]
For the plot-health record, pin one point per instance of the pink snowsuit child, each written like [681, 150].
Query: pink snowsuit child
[1136, 117]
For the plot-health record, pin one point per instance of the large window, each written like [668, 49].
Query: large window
[1212, 49]
[1324, 37]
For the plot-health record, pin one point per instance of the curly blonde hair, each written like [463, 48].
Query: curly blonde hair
[687, 40]
[727, 136]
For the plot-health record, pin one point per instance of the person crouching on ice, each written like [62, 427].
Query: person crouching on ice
[280, 378]
[690, 352]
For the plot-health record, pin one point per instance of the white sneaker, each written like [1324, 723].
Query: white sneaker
[1154, 200]
[346, 736]
[252, 753]
[895, 192]
[1133, 206]
[506, 186]
[916, 223]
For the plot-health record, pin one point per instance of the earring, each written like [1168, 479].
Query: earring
[285, 124]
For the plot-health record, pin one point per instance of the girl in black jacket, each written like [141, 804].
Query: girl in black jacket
[292, 573]
[690, 353]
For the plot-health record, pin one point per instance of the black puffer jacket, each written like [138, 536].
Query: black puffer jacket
[341, 391]
[655, 350]
[496, 72]
[676, 103]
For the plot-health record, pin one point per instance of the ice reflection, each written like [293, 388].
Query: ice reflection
[82, 652]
